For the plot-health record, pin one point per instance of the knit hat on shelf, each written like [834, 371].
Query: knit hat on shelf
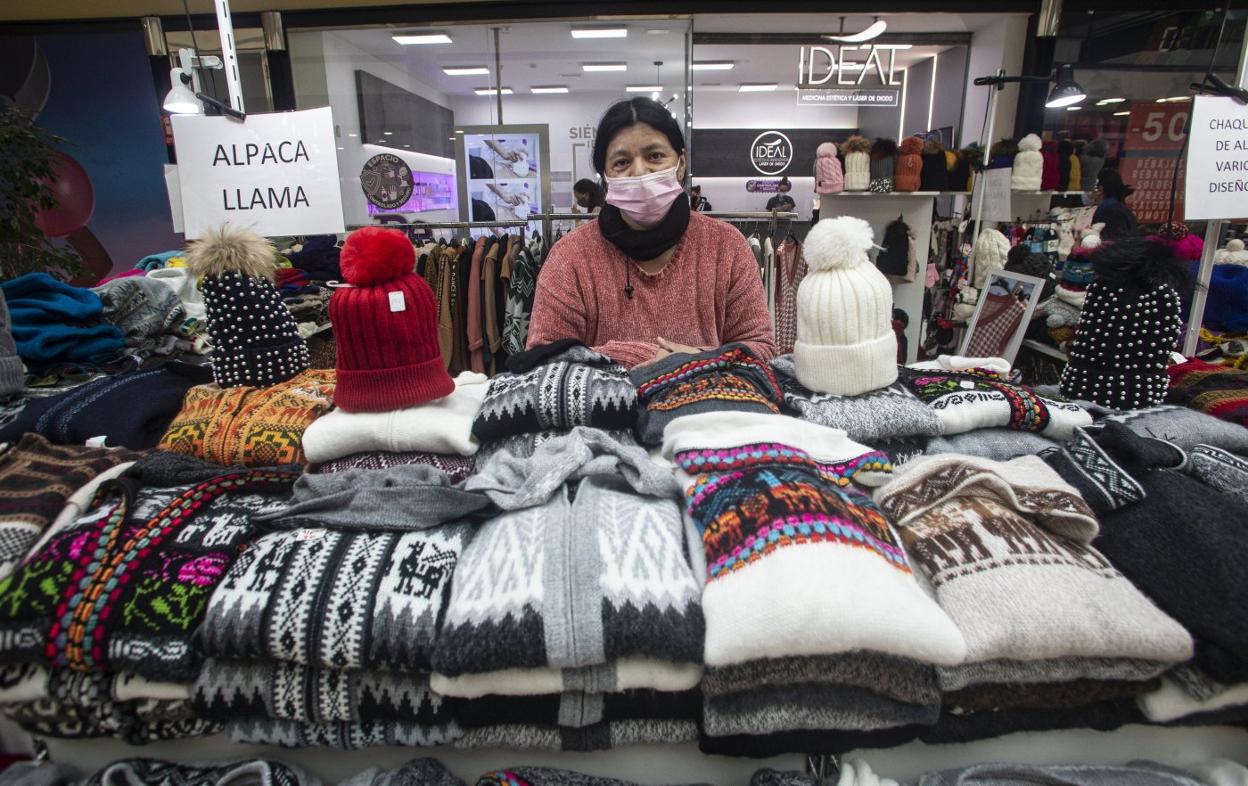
[1233, 254]
[386, 326]
[936, 165]
[1050, 175]
[857, 151]
[829, 177]
[883, 165]
[1129, 324]
[1091, 161]
[1028, 165]
[845, 342]
[256, 340]
[909, 164]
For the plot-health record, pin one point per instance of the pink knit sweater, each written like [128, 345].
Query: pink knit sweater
[708, 295]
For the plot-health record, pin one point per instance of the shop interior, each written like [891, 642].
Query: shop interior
[964, 507]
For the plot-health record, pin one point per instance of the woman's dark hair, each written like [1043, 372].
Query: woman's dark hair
[1111, 183]
[630, 112]
[586, 186]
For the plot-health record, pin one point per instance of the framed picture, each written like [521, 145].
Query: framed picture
[1002, 315]
[504, 172]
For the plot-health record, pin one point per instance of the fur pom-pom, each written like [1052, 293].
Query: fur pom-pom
[231, 249]
[1090, 241]
[883, 148]
[932, 146]
[1005, 147]
[1029, 142]
[856, 144]
[1190, 248]
[840, 242]
[912, 145]
[973, 155]
[1137, 266]
[373, 255]
[827, 149]
[1235, 245]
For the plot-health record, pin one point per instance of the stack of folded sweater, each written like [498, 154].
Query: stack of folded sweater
[53, 322]
[725, 379]
[437, 433]
[586, 577]
[891, 419]
[1216, 390]
[1048, 621]
[550, 390]
[1140, 537]
[322, 632]
[984, 414]
[107, 604]
[815, 622]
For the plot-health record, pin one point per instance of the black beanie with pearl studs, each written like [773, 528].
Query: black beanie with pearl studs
[255, 339]
[1130, 323]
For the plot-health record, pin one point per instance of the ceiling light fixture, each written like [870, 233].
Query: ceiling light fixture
[466, 71]
[1073, 108]
[711, 65]
[758, 88]
[594, 67]
[410, 39]
[1178, 99]
[874, 31]
[490, 91]
[549, 89]
[600, 32]
[1108, 101]
[644, 89]
[1066, 91]
[1121, 114]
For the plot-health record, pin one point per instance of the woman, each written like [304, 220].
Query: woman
[649, 278]
[1111, 199]
[588, 196]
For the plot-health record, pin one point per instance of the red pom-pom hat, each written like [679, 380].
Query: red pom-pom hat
[386, 327]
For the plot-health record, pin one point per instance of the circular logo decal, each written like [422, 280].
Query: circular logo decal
[387, 181]
[771, 153]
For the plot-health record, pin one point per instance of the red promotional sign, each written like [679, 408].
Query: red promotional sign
[1155, 135]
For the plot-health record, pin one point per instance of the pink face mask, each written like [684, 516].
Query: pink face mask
[645, 199]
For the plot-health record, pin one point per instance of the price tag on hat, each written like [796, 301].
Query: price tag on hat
[397, 303]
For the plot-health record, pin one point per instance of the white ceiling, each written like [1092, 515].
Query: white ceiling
[545, 53]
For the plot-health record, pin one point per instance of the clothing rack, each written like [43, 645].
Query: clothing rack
[773, 219]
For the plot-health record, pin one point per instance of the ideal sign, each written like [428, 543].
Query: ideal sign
[275, 173]
[771, 153]
[818, 66]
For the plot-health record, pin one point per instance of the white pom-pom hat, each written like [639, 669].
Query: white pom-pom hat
[845, 340]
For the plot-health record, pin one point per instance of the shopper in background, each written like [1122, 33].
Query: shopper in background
[650, 277]
[1111, 206]
[698, 202]
[782, 202]
[588, 196]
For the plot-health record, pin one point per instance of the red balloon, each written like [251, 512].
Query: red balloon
[75, 199]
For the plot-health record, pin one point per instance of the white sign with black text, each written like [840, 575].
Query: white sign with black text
[275, 173]
[1217, 160]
